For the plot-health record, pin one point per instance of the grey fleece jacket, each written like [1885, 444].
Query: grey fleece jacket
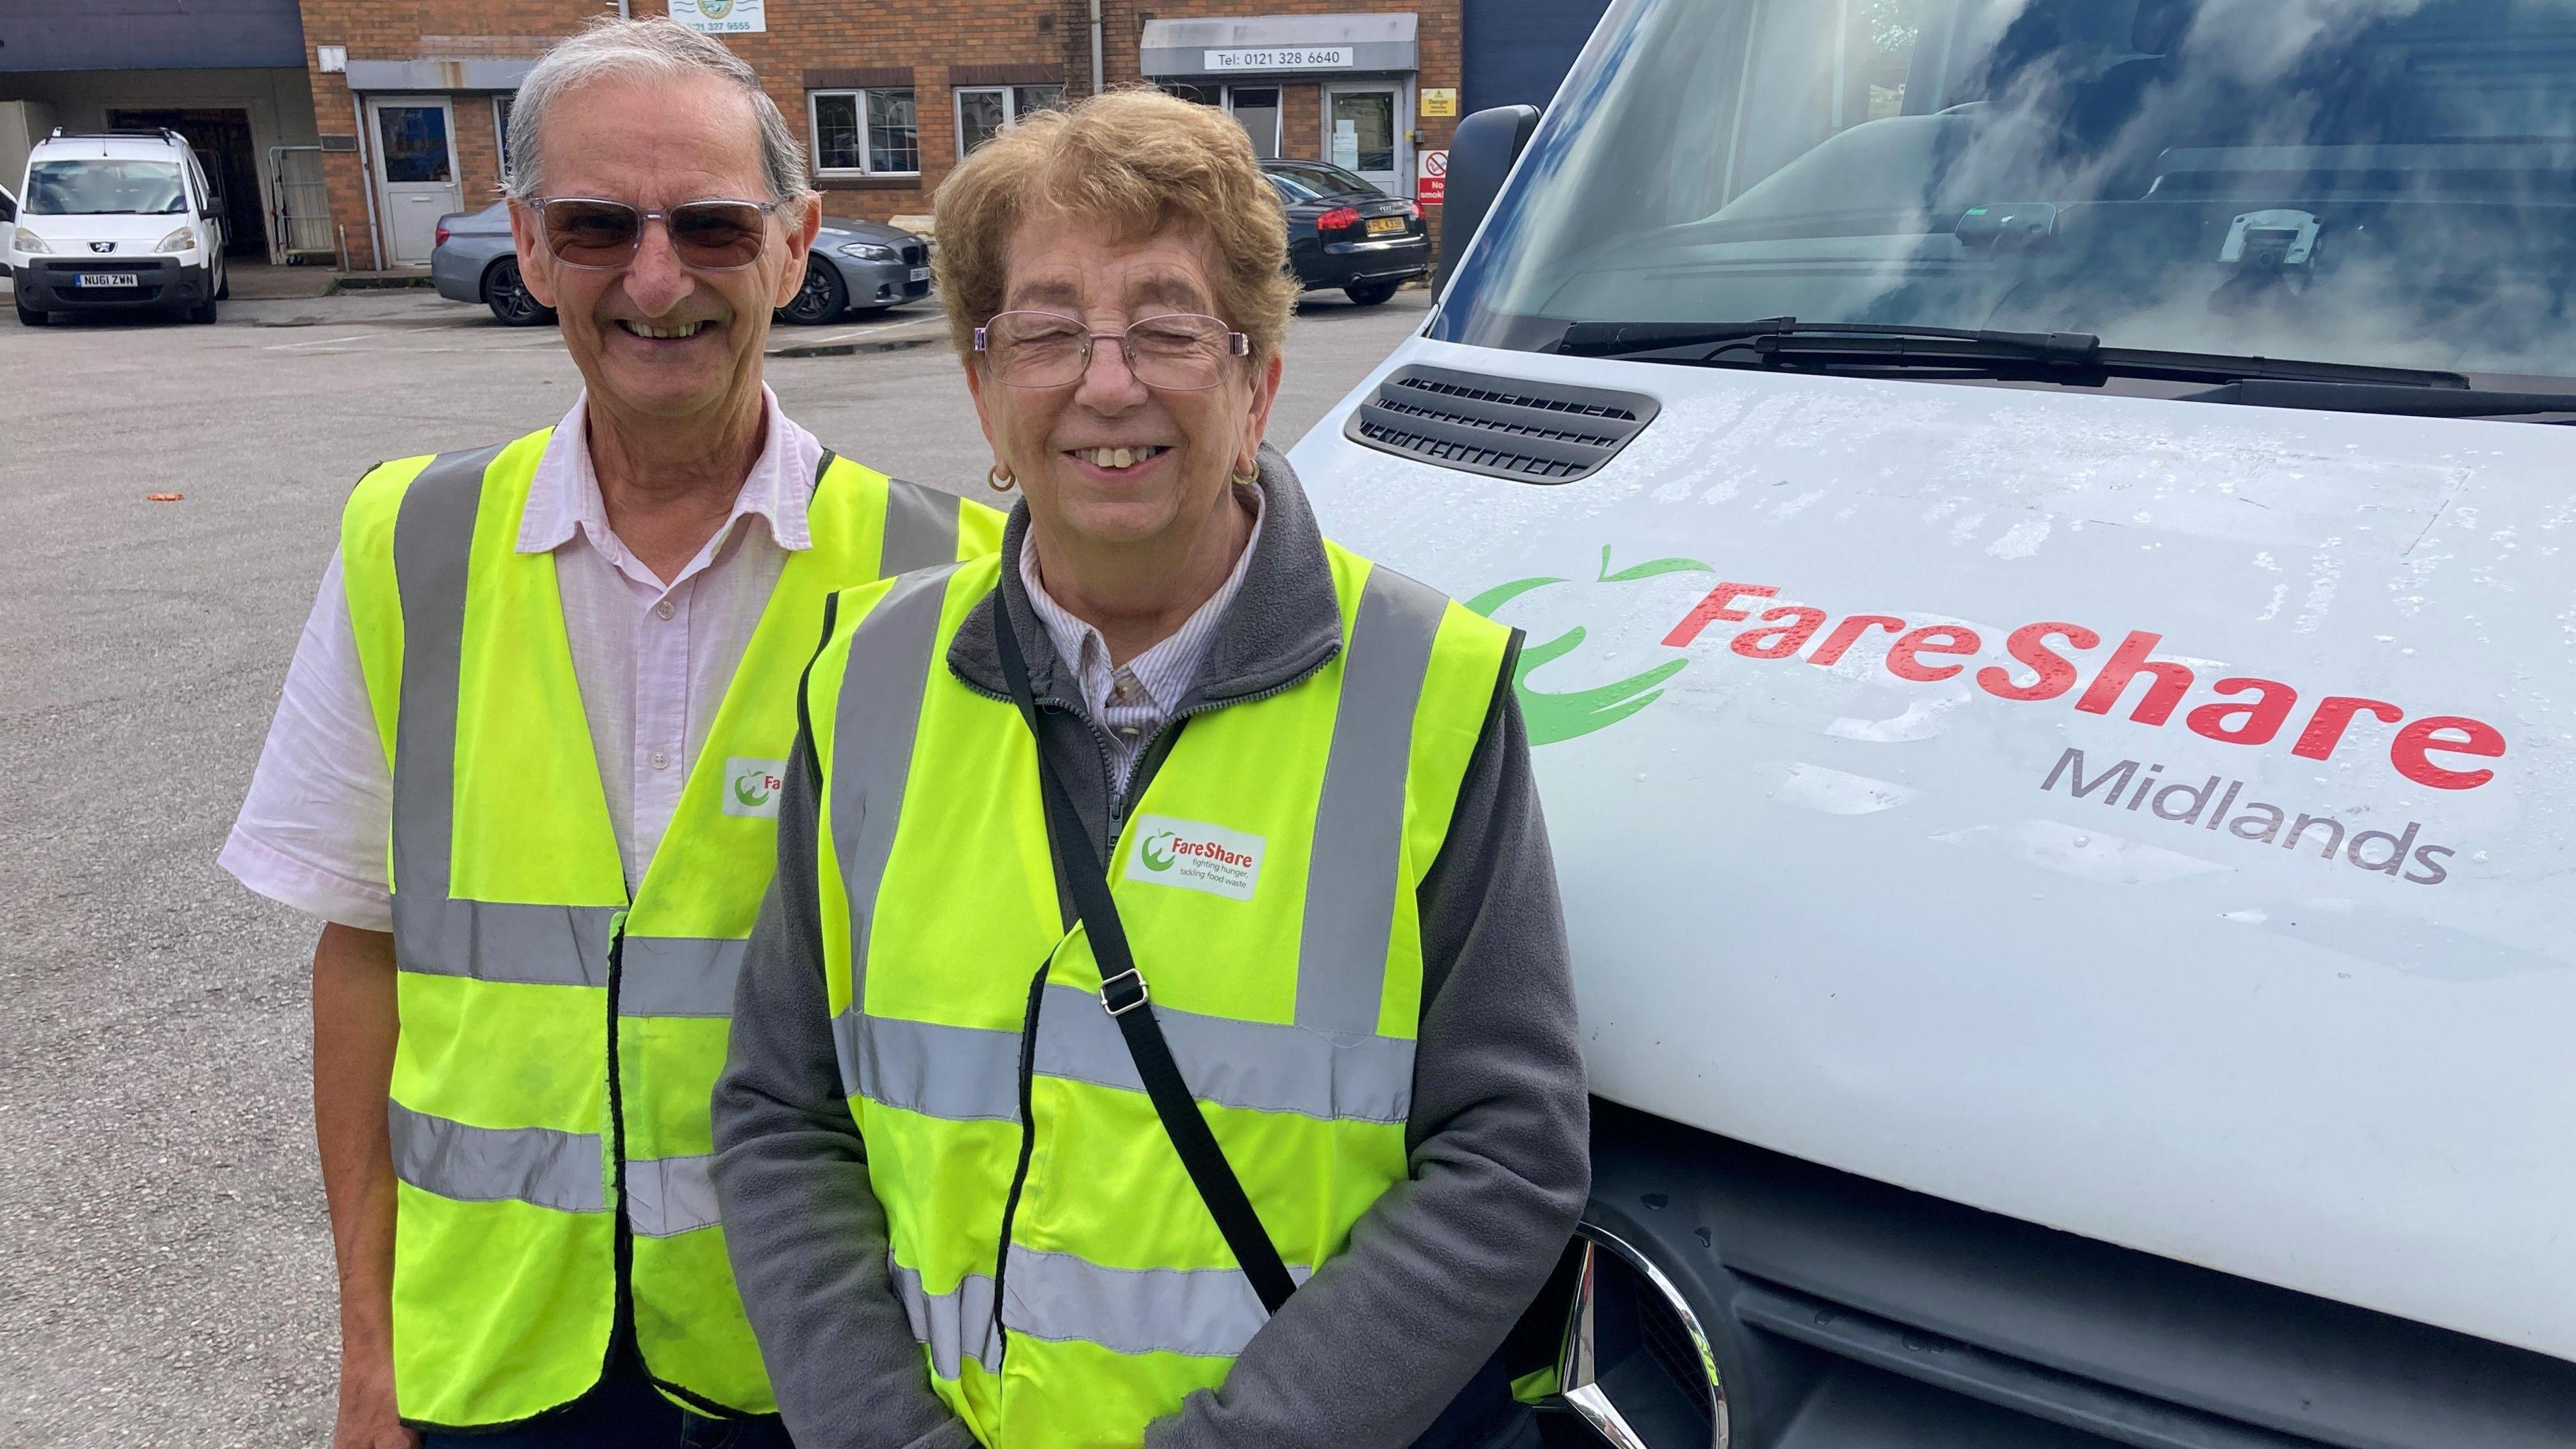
[1383, 1336]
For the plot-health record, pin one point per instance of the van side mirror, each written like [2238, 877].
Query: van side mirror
[1480, 156]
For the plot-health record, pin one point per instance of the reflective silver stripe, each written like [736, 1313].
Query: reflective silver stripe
[950, 1324]
[1259, 1065]
[1207, 1312]
[1359, 821]
[559, 1170]
[872, 735]
[668, 1195]
[972, 1074]
[433, 543]
[920, 528]
[500, 941]
[961, 1073]
[677, 976]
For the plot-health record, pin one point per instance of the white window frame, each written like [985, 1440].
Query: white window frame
[1278, 114]
[1010, 95]
[859, 97]
[1407, 182]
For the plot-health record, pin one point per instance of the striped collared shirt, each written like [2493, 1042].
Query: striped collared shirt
[1133, 700]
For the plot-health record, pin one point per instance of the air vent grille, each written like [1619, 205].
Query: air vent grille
[1671, 1346]
[1504, 427]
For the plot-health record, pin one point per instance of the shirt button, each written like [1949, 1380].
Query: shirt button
[661, 760]
[1127, 732]
[663, 608]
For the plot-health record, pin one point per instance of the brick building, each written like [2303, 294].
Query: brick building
[412, 96]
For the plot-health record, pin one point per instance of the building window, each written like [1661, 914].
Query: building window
[982, 111]
[501, 133]
[865, 133]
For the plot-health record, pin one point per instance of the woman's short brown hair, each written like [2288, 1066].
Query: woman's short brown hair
[1140, 161]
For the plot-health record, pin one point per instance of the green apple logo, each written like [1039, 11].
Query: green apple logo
[1157, 856]
[751, 789]
[1552, 717]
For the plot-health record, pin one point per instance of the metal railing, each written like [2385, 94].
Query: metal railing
[303, 220]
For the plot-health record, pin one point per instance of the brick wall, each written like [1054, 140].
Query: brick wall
[380, 30]
[936, 41]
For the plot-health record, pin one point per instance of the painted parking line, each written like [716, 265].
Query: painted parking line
[357, 337]
[864, 340]
[864, 331]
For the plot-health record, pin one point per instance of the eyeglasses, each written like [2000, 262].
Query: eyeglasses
[714, 235]
[1179, 352]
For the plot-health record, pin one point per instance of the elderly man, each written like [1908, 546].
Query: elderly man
[527, 770]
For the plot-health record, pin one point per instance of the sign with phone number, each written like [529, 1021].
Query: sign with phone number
[1338, 57]
[721, 17]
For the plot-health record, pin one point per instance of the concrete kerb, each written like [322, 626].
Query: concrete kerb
[376, 282]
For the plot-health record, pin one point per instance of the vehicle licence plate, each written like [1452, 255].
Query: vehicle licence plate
[109, 279]
[920, 274]
[1381, 225]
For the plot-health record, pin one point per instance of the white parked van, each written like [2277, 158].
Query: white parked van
[2046, 536]
[124, 221]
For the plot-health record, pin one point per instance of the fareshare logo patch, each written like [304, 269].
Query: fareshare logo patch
[752, 787]
[1193, 855]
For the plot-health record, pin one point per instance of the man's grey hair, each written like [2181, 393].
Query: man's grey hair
[650, 49]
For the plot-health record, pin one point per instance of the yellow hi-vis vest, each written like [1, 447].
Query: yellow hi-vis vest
[561, 1029]
[1267, 878]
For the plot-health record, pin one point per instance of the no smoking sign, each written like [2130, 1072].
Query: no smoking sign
[1432, 178]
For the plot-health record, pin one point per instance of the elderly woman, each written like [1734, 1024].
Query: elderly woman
[1160, 1030]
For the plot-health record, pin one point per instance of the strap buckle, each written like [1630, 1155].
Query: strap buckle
[1134, 995]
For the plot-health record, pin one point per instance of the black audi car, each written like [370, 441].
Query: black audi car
[1343, 232]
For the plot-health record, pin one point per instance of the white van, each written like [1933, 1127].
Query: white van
[120, 222]
[2046, 536]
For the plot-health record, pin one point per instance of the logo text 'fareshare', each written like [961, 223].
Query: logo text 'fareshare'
[1193, 855]
[2252, 712]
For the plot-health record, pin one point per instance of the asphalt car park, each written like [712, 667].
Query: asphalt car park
[170, 1277]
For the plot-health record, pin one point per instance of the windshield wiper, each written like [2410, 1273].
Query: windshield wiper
[1863, 349]
[2363, 397]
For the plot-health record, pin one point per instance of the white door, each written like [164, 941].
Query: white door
[416, 174]
[1367, 130]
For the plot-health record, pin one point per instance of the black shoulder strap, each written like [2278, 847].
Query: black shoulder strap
[1123, 996]
[822, 466]
[804, 694]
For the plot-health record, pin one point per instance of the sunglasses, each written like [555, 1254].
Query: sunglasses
[713, 235]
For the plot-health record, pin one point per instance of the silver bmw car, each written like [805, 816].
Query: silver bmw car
[855, 268]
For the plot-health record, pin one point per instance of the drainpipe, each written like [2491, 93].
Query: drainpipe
[375, 229]
[1095, 47]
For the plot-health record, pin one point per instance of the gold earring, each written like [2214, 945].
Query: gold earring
[999, 479]
[1248, 478]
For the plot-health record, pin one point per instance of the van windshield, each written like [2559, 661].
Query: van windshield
[96, 186]
[2386, 182]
